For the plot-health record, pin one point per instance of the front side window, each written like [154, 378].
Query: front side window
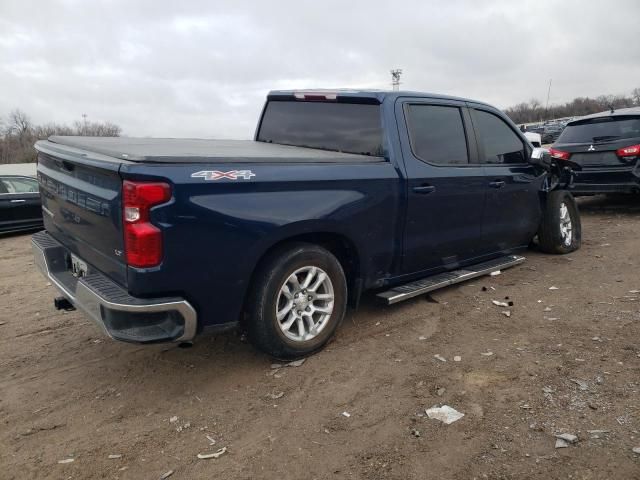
[437, 134]
[499, 143]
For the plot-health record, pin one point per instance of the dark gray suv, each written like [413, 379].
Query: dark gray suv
[604, 151]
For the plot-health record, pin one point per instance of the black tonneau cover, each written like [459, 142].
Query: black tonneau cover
[190, 150]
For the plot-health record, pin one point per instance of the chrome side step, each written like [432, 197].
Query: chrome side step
[428, 284]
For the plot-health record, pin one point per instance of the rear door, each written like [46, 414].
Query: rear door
[19, 203]
[512, 210]
[445, 186]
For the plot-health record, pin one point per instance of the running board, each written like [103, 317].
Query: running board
[428, 284]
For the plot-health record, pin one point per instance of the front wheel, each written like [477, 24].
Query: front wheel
[560, 231]
[298, 299]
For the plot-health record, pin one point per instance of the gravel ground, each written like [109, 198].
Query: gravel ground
[567, 360]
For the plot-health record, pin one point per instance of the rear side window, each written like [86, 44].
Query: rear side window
[601, 130]
[437, 134]
[341, 127]
[499, 143]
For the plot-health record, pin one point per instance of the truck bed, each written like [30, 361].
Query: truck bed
[190, 150]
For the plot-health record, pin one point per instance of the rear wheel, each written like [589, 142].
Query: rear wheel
[298, 300]
[560, 231]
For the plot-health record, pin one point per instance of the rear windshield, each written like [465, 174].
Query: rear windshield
[601, 130]
[341, 127]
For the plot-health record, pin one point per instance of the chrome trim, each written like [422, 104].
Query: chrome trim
[89, 301]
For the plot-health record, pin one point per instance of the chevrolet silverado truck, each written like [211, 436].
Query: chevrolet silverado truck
[339, 193]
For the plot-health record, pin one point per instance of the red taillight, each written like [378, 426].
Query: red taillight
[628, 153]
[559, 154]
[142, 240]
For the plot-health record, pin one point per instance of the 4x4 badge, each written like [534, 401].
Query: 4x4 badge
[590, 149]
[217, 175]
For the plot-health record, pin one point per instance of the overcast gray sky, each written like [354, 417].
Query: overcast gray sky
[202, 68]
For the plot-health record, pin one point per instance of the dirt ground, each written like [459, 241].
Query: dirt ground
[567, 360]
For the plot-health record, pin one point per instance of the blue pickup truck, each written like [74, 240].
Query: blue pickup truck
[340, 192]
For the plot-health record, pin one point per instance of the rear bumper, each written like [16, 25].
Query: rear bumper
[594, 180]
[121, 316]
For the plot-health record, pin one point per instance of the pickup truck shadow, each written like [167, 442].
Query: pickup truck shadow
[628, 204]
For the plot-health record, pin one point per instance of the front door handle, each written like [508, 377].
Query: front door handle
[497, 184]
[424, 189]
[18, 201]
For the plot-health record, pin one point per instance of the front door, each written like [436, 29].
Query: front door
[512, 209]
[445, 188]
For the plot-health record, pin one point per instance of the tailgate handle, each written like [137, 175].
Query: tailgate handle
[68, 166]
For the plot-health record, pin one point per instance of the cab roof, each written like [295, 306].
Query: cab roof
[377, 96]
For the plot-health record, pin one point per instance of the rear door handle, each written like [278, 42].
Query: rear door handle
[18, 201]
[497, 184]
[424, 189]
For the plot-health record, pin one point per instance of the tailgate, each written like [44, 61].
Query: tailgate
[81, 204]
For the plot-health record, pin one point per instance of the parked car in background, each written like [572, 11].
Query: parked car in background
[604, 150]
[20, 206]
[551, 132]
[534, 138]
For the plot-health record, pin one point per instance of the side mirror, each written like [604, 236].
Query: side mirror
[540, 156]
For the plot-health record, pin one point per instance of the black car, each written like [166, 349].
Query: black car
[605, 151]
[20, 207]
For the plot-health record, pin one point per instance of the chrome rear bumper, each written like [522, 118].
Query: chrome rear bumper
[120, 315]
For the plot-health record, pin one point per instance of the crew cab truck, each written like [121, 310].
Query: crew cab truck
[339, 192]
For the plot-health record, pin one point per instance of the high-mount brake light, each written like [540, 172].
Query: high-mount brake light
[315, 96]
[629, 153]
[559, 154]
[142, 239]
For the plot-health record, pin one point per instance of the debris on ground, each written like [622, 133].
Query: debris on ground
[636, 450]
[506, 313]
[495, 273]
[437, 356]
[212, 441]
[179, 428]
[553, 288]
[295, 363]
[415, 433]
[173, 419]
[115, 456]
[563, 440]
[581, 384]
[486, 354]
[595, 434]
[498, 303]
[457, 358]
[440, 391]
[445, 414]
[67, 460]
[422, 337]
[207, 456]
[166, 475]
[275, 396]
[346, 414]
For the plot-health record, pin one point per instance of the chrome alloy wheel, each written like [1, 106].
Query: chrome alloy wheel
[305, 303]
[566, 229]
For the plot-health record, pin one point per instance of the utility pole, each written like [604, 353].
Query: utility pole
[395, 79]
[546, 108]
[84, 124]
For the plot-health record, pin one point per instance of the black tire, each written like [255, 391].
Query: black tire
[263, 326]
[550, 234]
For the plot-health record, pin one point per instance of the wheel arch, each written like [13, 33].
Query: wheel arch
[338, 243]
